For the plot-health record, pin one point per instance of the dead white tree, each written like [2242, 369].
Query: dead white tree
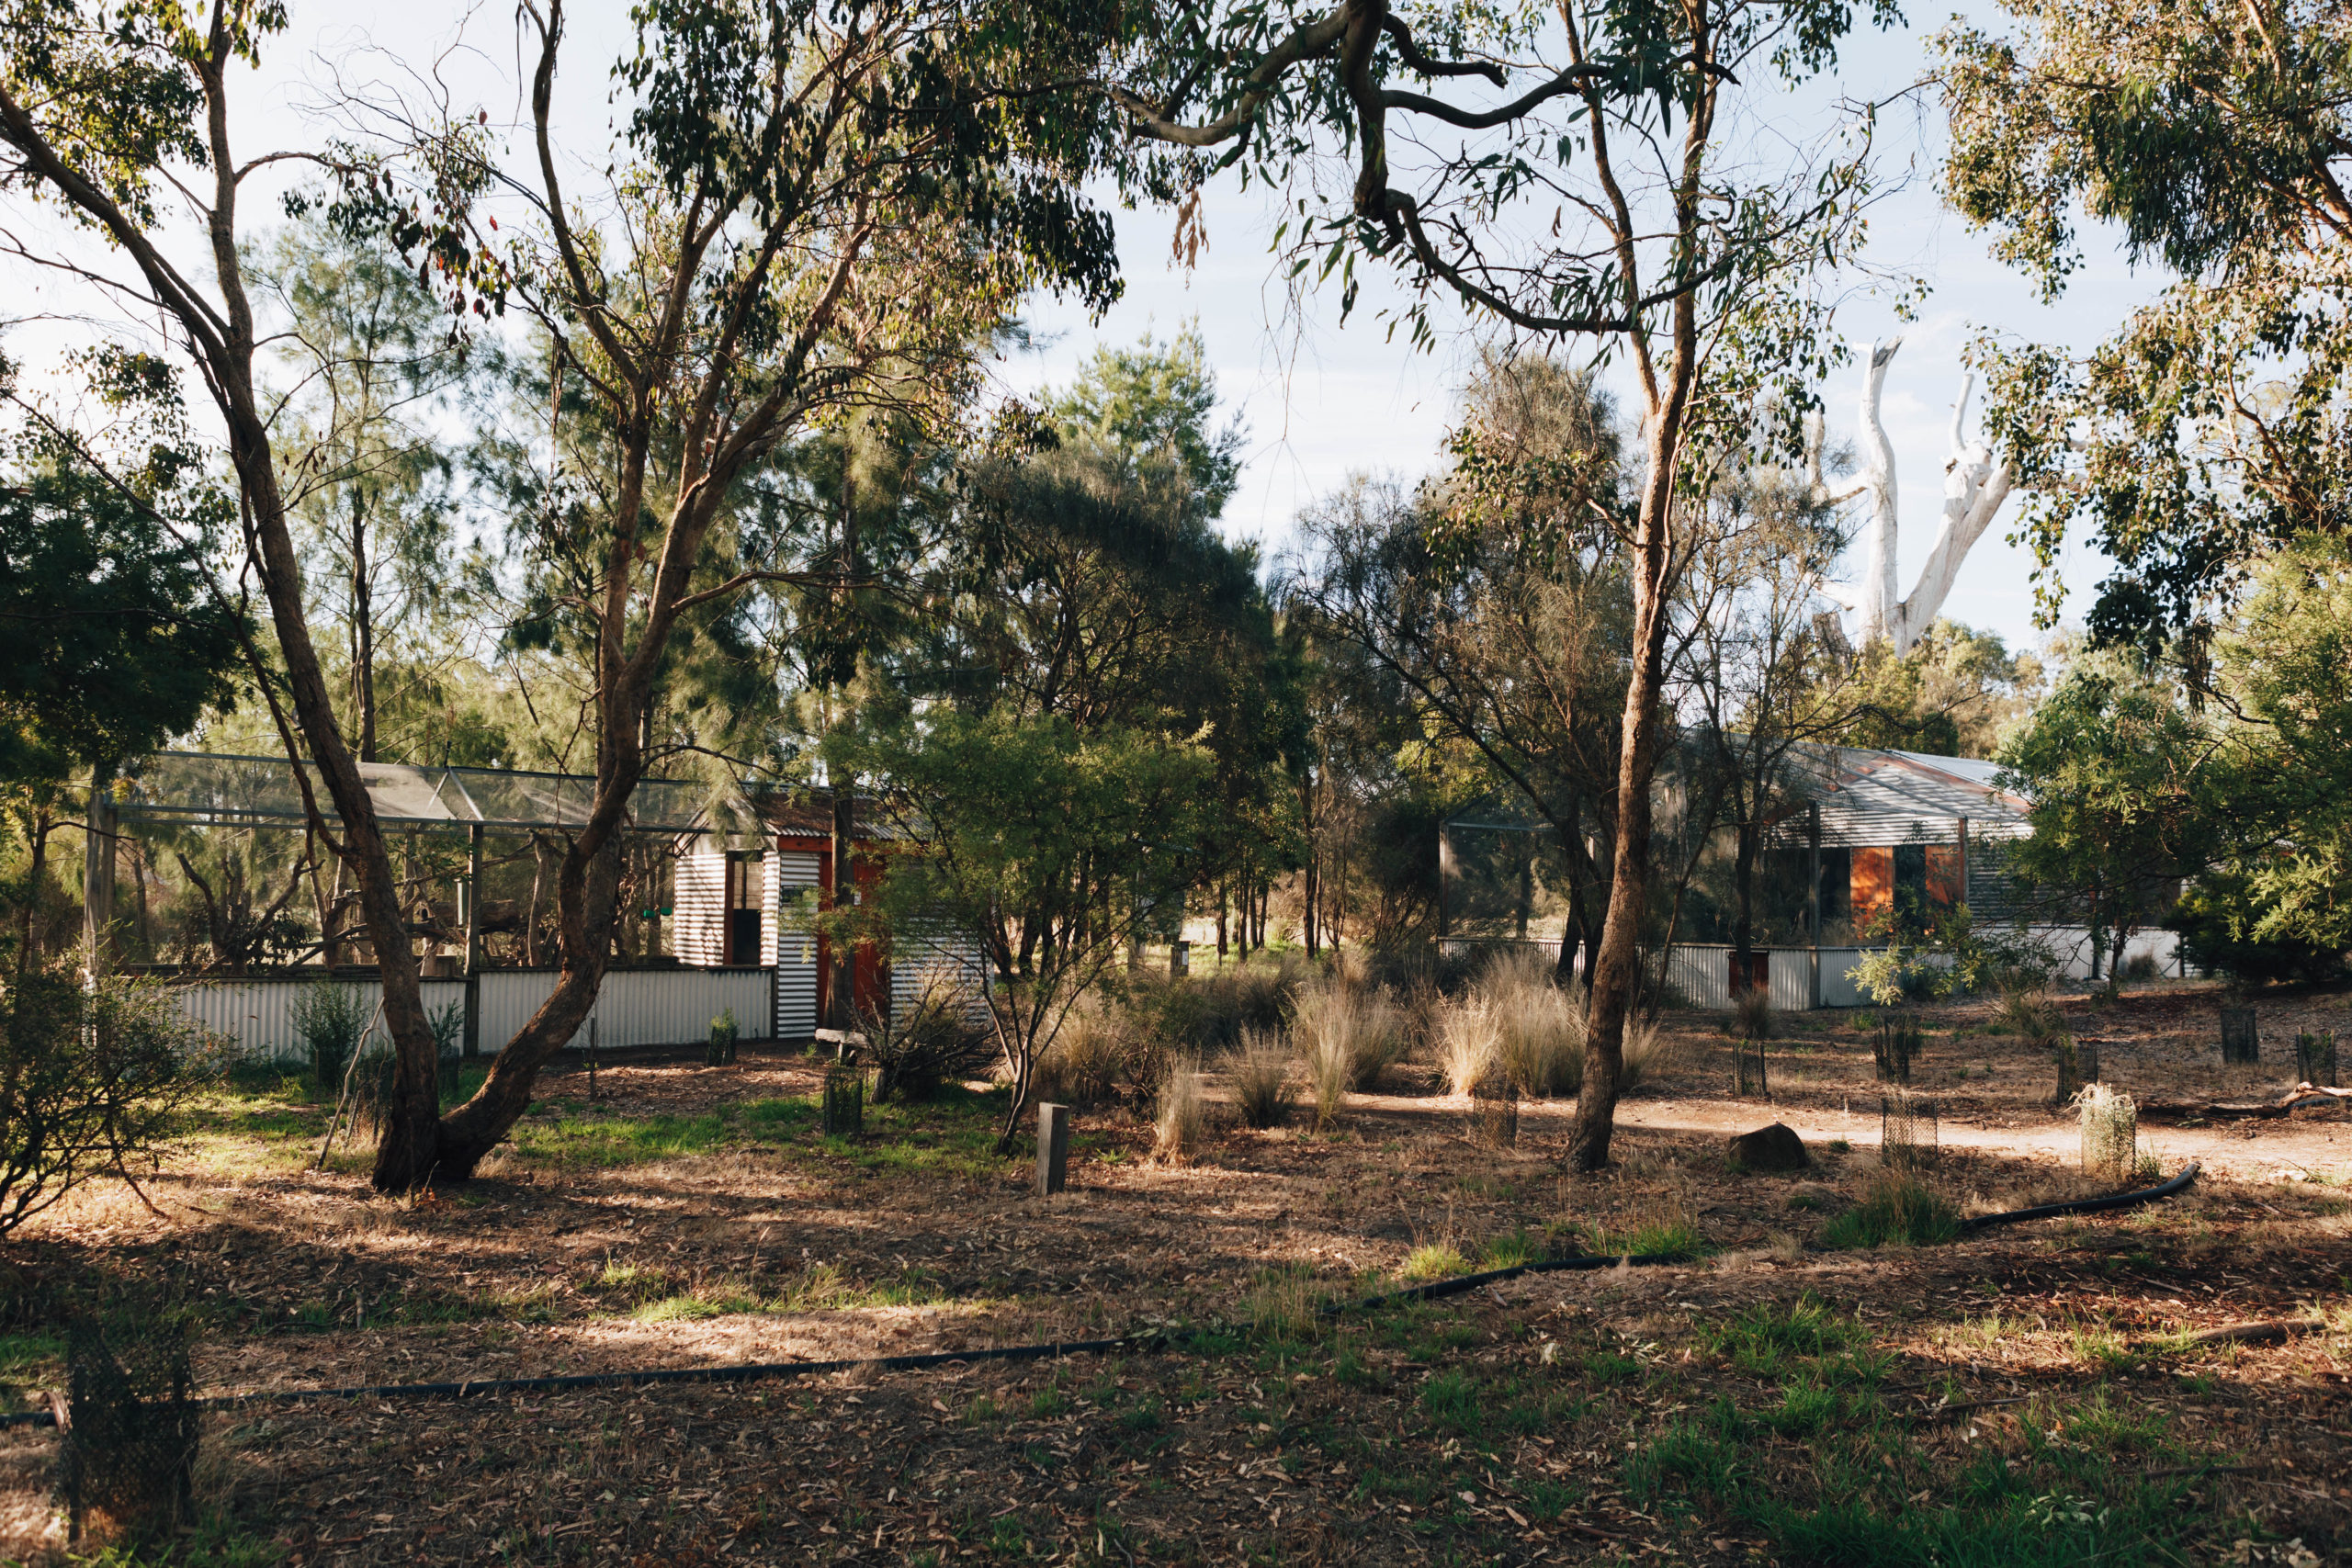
[1975, 485]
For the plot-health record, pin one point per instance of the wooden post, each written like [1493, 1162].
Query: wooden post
[97, 875]
[1052, 1148]
[473, 941]
[1813, 898]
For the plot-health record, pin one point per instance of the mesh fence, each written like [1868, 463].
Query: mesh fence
[128, 1454]
[1753, 1080]
[2315, 1058]
[1906, 1130]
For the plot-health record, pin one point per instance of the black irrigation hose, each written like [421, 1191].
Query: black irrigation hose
[2085, 1205]
[760, 1370]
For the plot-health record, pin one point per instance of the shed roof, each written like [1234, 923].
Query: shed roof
[208, 788]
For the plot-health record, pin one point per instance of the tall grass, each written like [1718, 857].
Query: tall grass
[1539, 1028]
[1259, 1071]
[1469, 1045]
[1354, 1029]
[1087, 1059]
[1899, 1210]
[1181, 1122]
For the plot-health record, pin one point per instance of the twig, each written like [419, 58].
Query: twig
[1940, 1413]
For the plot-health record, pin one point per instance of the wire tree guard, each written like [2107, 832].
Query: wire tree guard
[2110, 1133]
[1494, 1112]
[1906, 1130]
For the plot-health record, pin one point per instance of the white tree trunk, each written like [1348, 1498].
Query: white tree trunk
[1975, 486]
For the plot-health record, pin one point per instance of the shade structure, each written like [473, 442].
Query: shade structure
[214, 789]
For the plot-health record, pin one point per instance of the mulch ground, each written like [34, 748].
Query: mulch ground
[1352, 1442]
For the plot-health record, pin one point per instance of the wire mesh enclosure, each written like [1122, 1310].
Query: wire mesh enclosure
[1749, 1056]
[125, 1467]
[1494, 1112]
[2315, 1058]
[2110, 1134]
[2241, 1041]
[1906, 1130]
[843, 1108]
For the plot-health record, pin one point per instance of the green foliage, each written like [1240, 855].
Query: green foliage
[1899, 1210]
[330, 1019]
[2221, 150]
[2117, 769]
[94, 1081]
[111, 639]
[1041, 843]
[1952, 695]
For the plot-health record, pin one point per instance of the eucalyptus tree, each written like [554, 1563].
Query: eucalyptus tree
[805, 208]
[1501, 620]
[1599, 190]
[2216, 423]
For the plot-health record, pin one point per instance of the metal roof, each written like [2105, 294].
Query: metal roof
[1902, 798]
[206, 788]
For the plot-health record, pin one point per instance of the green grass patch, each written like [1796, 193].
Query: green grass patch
[1899, 1210]
[1434, 1261]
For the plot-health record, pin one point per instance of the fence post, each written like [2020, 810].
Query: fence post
[97, 875]
[473, 941]
[1052, 1148]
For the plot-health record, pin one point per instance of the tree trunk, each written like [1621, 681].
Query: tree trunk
[1617, 969]
[843, 998]
[363, 634]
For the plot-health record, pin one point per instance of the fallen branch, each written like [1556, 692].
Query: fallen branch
[2293, 1099]
[2257, 1333]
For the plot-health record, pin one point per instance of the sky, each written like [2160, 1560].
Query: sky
[1322, 399]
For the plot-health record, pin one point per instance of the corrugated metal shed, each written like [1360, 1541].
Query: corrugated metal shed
[1899, 797]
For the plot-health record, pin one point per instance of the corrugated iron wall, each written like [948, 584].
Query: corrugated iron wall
[634, 1007]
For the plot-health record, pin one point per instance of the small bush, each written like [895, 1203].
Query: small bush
[1181, 1122]
[1090, 1055]
[932, 1044]
[93, 1083]
[1330, 1067]
[2026, 1008]
[2110, 1134]
[1647, 1052]
[330, 1019]
[1752, 1015]
[2140, 967]
[1354, 1029]
[1259, 1071]
[1434, 1261]
[1899, 1210]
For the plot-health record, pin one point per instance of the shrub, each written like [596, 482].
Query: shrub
[1752, 1015]
[2110, 1133]
[92, 1083]
[1089, 1055]
[1260, 1070]
[2140, 967]
[330, 1019]
[2026, 1008]
[1330, 1068]
[1539, 1028]
[1181, 1123]
[1899, 1210]
[934, 1042]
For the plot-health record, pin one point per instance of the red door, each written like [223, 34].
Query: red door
[869, 980]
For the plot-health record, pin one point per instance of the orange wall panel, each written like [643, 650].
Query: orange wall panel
[1872, 884]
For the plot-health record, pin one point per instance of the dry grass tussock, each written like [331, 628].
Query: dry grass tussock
[1468, 1044]
[1181, 1122]
[1258, 1069]
[1089, 1055]
[1355, 1029]
[1539, 1027]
